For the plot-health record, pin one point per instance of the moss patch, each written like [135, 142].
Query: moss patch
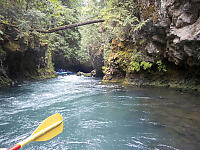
[2, 52]
[173, 78]
[4, 81]
[46, 73]
[12, 46]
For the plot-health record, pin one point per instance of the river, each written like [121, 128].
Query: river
[100, 116]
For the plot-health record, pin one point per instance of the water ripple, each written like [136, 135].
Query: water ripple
[100, 116]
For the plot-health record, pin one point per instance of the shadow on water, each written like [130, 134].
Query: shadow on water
[100, 116]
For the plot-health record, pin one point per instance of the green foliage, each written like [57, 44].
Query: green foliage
[91, 37]
[104, 69]
[140, 25]
[161, 66]
[131, 60]
[46, 14]
[134, 66]
[120, 13]
[146, 65]
[137, 66]
[120, 18]
[125, 59]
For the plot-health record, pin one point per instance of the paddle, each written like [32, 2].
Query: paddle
[49, 128]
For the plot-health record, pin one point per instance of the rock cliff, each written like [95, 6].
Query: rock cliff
[23, 57]
[171, 35]
[174, 29]
[97, 59]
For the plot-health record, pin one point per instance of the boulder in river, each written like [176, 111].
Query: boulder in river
[91, 74]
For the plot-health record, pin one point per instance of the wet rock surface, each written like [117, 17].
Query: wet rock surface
[171, 35]
[174, 26]
[97, 59]
[90, 74]
[23, 57]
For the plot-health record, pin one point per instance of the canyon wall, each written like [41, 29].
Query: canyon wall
[23, 57]
[169, 40]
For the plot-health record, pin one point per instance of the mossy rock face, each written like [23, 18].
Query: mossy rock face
[41, 74]
[79, 73]
[84, 74]
[2, 54]
[12, 46]
[147, 8]
[5, 81]
[46, 73]
[24, 58]
[87, 75]
[173, 78]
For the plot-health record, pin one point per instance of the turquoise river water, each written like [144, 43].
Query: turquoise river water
[100, 116]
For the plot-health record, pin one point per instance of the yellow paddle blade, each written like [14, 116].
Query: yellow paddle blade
[46, 124]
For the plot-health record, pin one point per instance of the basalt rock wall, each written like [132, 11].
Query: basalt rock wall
[171, 35]
[23, 57]
[173, 29]
[97, 59]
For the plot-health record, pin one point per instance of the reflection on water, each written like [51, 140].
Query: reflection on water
[100, 116]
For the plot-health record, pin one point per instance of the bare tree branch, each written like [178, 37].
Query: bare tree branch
[68, 26]
[61, 27]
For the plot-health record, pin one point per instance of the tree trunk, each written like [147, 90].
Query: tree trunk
[68, 26]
